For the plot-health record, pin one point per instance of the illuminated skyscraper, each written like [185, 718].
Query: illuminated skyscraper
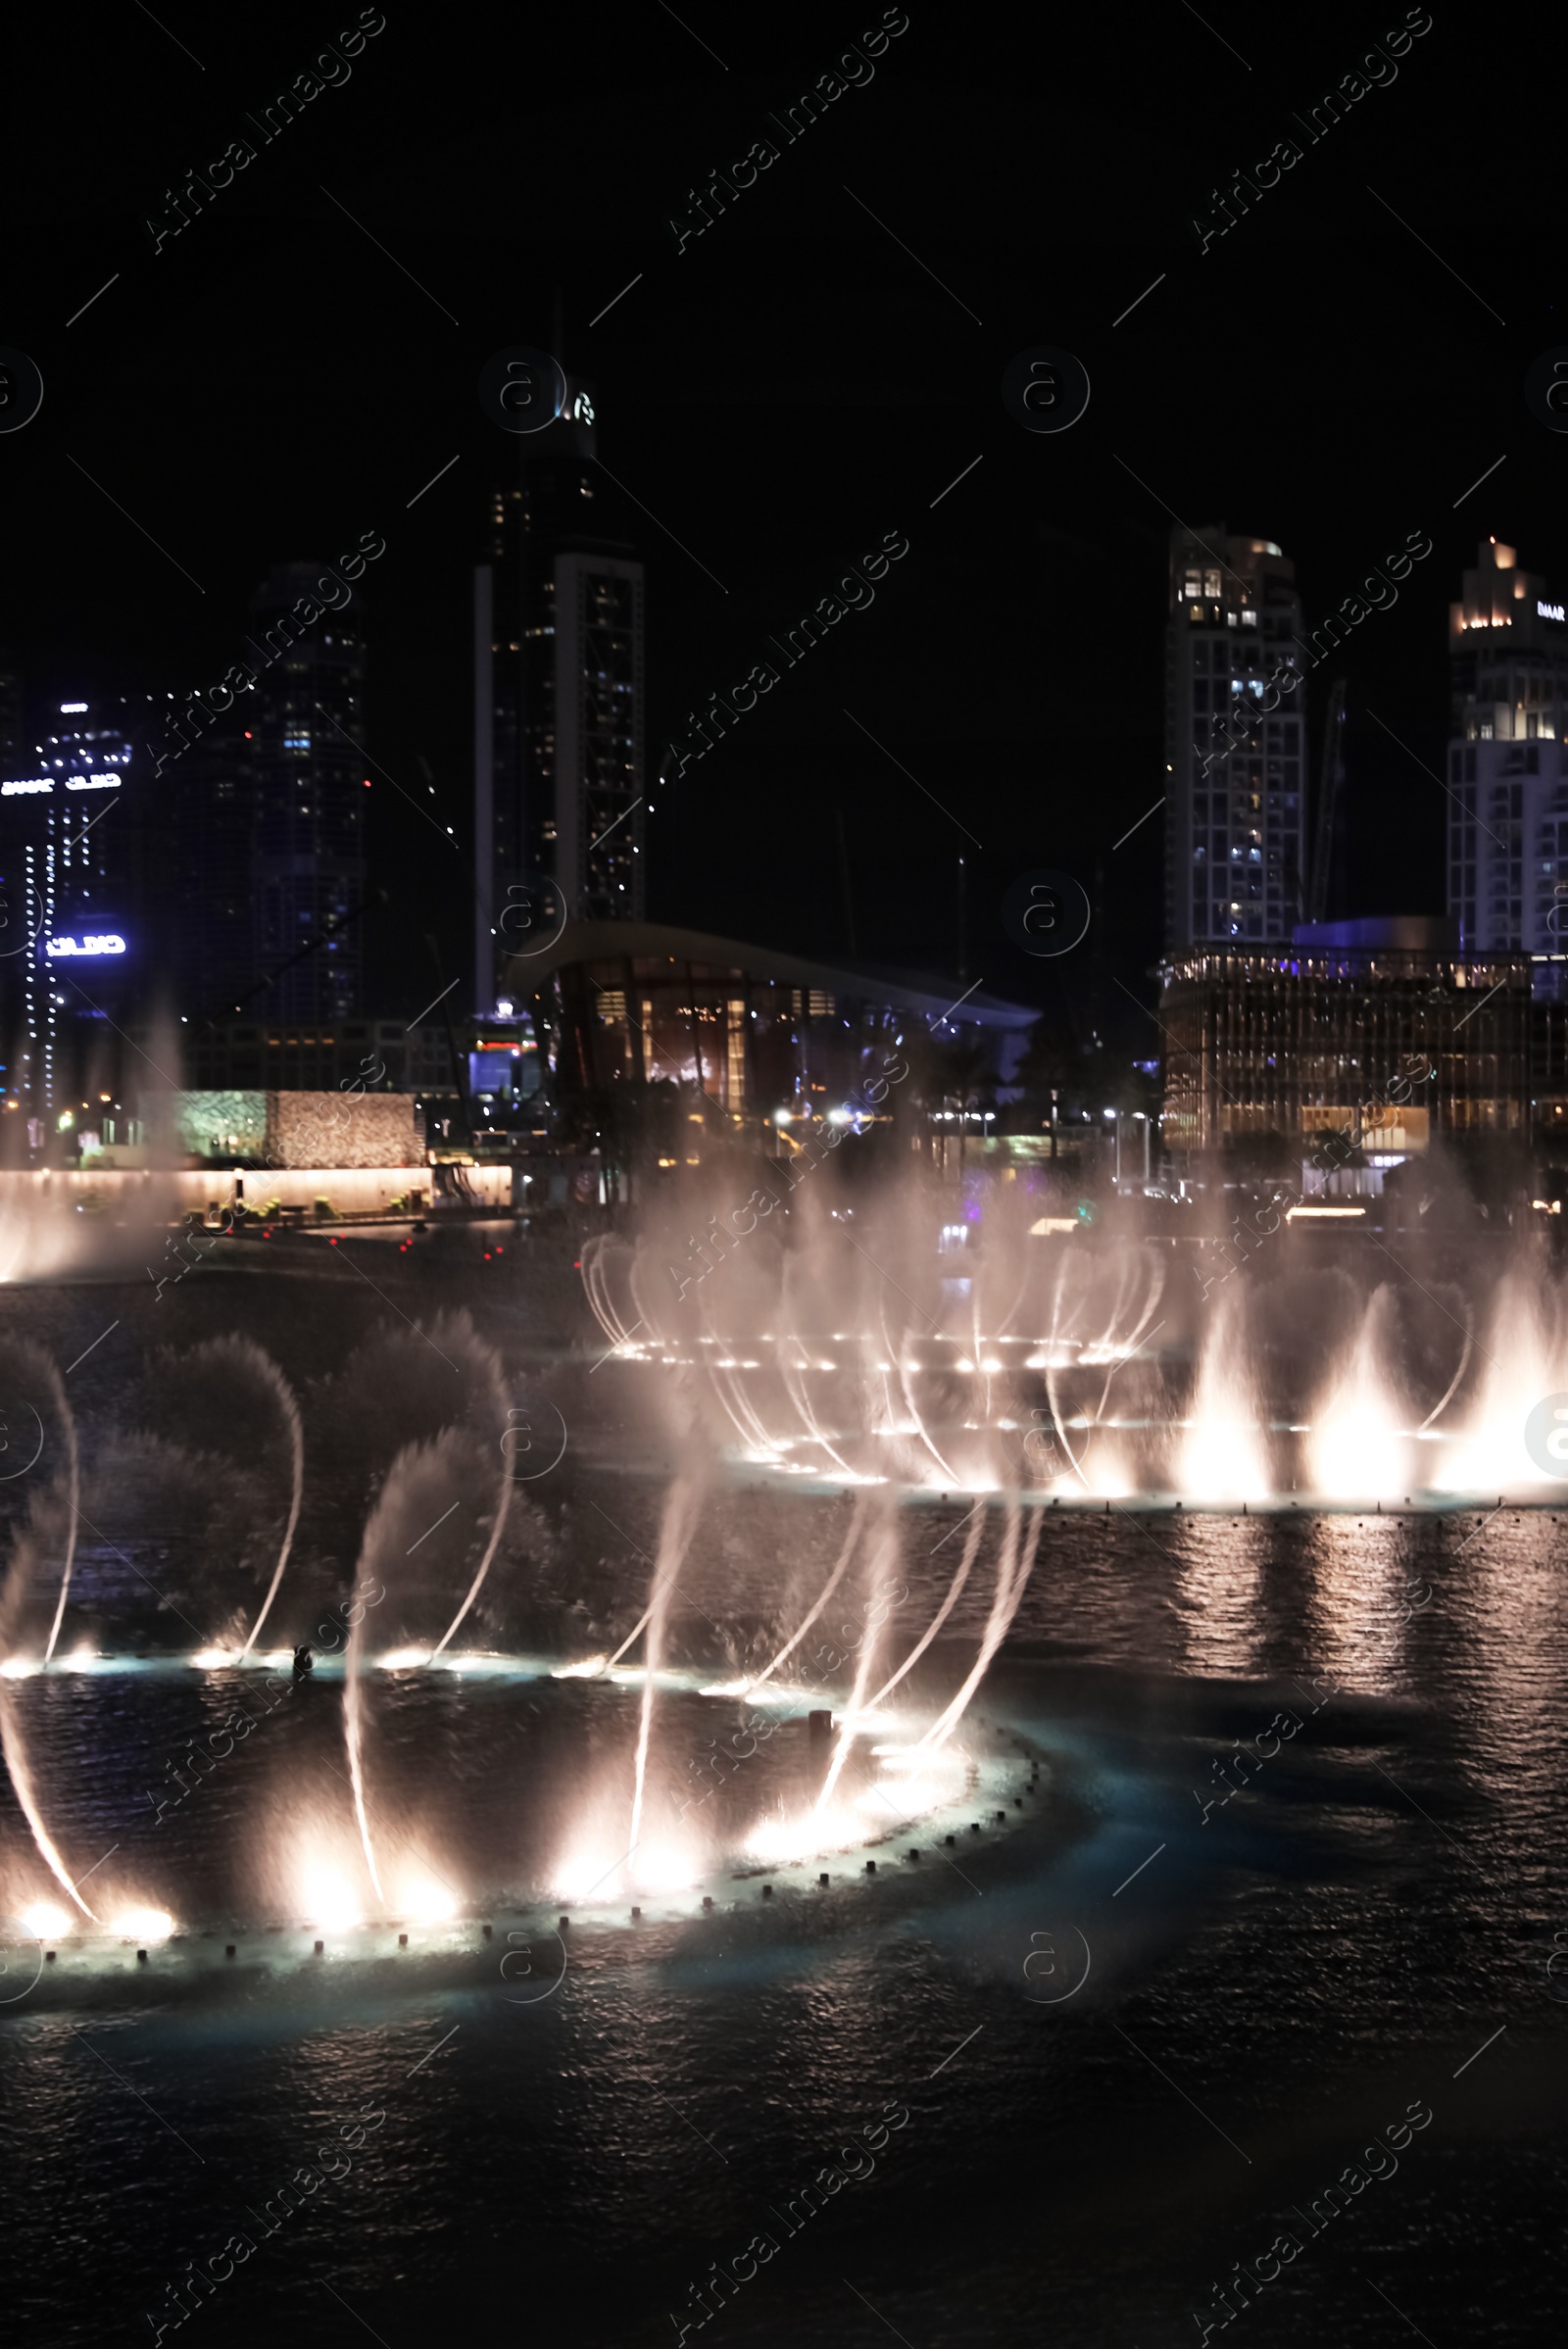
[559, 698]
[1508, 782]
[1236, 736]
[68, 949]
[307, 792]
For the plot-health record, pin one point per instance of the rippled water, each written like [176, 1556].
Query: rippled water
[1081, 2161]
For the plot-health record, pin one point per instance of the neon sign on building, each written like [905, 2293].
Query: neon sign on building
[105, 942]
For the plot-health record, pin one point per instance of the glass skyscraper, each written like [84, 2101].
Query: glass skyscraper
[559, 700]
[306, 780]
[1508, 783]
[69, 948]
[1236, 736]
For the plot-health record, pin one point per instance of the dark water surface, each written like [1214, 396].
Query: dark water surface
[1281, 1981]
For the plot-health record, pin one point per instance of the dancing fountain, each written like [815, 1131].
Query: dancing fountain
[859, 1378]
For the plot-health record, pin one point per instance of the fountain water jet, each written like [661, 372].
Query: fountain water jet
[971, 1551]
[20, 1772]
[14, 1745]
[851, 1537]
[1452, 1388]
[1223, 1456]
[884, 1559]
[499, 1392]
[1357, 1449]
[68, 1423]
[253, 1361]
[1013, 1573]
[419, 1477]
[1526, 1358]
[678, 1523]
[675, 1535]
[354, 1740]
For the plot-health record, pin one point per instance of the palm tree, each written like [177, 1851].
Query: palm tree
[1052, 1070]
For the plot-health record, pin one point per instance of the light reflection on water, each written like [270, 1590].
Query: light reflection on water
[1320, 1937]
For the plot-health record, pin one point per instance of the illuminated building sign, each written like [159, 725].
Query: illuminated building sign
[71, 783]
[1550, 611]
[105, 942]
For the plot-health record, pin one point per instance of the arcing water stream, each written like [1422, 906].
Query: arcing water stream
[1006, 1373]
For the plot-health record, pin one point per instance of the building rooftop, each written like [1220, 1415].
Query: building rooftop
[927, 995]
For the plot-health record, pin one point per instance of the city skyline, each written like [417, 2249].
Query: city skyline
[783, 1176]
[166, 739]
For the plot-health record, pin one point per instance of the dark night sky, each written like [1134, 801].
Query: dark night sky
[782, 393]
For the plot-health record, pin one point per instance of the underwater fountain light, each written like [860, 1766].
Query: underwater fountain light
[916, 1794]
[781, 1840]
[584, 1872]
[19, 1668]
[209, 1659]
[403, 1659]
[328, 1900]
[144, 1925]
[587, 1670]
[665, 1868]
[429, 1904]
[45, 1921]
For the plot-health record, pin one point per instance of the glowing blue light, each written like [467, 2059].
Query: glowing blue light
[106, 942]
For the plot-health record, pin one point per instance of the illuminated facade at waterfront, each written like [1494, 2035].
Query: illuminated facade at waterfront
[1300, 1041]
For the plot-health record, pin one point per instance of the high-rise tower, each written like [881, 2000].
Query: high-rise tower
[559, 698]
[1236, 736]
[1508, 781]
[70, 950]
[306, 790]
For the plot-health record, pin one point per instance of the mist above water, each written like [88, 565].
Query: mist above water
[874, 1338]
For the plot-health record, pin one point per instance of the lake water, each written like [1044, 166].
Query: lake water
[1057, 2086]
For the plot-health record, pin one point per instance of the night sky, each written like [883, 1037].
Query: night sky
[787, 389]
